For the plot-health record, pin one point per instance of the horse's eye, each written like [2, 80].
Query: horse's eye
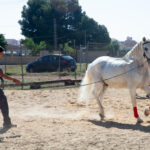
[146, 48]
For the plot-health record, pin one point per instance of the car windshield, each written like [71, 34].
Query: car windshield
[67, 57]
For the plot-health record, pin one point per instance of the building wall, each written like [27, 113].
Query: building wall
[16, 60]
[87, 57]
[83, 57]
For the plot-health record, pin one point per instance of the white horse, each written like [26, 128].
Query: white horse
[131, 71]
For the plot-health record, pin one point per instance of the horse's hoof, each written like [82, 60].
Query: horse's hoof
[139, 120]
[101, 116]
[147, 112]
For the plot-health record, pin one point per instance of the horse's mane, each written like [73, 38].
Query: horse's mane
[135, 53]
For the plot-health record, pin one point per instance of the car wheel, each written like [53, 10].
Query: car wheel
[31, 70]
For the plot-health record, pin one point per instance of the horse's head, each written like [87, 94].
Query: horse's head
[146, 49]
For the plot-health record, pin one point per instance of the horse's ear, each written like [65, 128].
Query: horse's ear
[144, 39]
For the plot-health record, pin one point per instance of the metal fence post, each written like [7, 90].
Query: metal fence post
[74, 43]
[22, 73]
[87, 55]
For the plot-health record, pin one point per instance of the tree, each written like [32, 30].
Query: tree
[35, 48]
[94, 32]
[38, 23]
[115, 47]
[69, 50]
[3, 42]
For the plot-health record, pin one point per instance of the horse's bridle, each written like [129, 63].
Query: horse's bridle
[146, 42]
[148, 59]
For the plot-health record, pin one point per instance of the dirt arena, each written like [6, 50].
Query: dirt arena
[51, 120]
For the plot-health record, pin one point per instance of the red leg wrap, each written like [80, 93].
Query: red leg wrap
[135, 112]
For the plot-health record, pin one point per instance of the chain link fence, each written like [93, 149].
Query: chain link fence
[15, 66]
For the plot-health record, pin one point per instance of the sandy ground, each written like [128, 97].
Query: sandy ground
[51, 120]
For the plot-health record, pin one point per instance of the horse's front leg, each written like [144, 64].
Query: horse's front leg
[134, 104]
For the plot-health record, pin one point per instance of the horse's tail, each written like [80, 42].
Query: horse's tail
[85, 91]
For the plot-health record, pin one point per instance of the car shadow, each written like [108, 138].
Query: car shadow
[112, 124]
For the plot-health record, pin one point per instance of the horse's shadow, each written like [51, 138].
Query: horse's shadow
[112, 124]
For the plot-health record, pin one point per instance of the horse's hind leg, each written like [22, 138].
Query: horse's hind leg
[99, 100]
[99, 96]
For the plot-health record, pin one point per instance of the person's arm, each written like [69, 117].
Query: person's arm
[8, 78]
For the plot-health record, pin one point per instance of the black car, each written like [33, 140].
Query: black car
[50, 63]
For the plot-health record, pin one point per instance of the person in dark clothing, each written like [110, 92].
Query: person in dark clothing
[3, 100]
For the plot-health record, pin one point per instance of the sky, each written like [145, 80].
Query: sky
[122, 18]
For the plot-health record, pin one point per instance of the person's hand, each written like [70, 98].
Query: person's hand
[16, 81]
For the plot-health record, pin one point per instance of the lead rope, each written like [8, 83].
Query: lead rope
[114, 76]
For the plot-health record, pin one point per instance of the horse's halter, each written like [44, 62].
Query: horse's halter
[145, 49]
